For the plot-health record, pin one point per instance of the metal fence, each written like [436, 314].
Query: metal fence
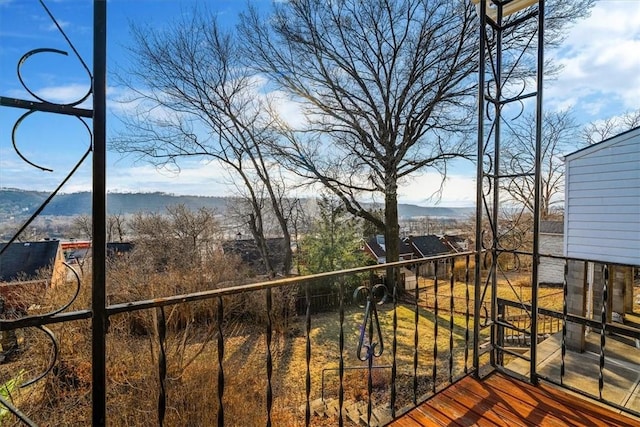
[594, 315]
[251, 354]
[250, 361]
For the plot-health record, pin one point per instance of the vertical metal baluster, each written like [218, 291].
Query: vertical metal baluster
[451, 307]
[394, 349]
[162, 364]
[220, 318]
[370, 352]
[341, 361]
[563, 346]
[416, 318]
[502, 309]
[603, 325]
[307, 409]
[269, 359]
[480, 175]
[99, 320]
[434, 375]
[533, 374]
[466, 317]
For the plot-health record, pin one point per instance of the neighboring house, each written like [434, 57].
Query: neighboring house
[602, 224]
[29, 260]
[118, 249]
[375, 247]
[429, 246]
[602, 200]
[76, 250]
[27, 268]
[251, 257]
[456, 243]
[79, 250]
[551, 241]
[78, 253]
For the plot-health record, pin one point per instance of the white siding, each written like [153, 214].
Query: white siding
[602, 204]
[551, 270]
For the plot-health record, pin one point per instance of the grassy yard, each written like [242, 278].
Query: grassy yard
[421, 339]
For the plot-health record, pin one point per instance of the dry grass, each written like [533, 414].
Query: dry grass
[513, 287]
[64, 396]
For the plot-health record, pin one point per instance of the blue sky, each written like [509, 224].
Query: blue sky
[600, 79]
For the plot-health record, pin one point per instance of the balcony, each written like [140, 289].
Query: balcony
[449, 340]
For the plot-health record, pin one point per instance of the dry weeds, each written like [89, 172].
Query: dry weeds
[64, 396]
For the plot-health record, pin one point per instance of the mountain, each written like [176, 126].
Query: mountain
[18, 203]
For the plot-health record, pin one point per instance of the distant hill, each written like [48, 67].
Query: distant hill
[18, 203]
[414, 211]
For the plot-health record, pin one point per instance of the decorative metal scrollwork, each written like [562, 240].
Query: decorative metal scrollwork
[370, 330]
[21, 319]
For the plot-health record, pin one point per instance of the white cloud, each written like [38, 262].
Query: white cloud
[63, 94]
[197, 178]
[457, 191]
[61, 23]
[600, 75]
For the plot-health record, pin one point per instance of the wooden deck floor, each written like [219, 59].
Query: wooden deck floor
[502, 401]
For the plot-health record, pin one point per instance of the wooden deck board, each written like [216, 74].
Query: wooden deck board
[502, 401]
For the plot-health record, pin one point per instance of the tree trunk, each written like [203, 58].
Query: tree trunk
[286, 234]
[392, 228]
[261, 243]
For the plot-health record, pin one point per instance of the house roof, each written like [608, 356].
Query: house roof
[428, 245]
[453, 239]
[248, 252]
[21, 261]
[118, 248]
[602, 144]
[377, 246]
[552, 227]
[457, 243]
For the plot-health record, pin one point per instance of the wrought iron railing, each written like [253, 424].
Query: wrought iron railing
[250, 359]
[591, 313]
[258, 369]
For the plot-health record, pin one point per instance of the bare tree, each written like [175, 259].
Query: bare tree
[598, 131]
[385, 85]
[181, 237]
[559, 135]
[194, 98]
[199, 229]
[115, 228]
[81, 226]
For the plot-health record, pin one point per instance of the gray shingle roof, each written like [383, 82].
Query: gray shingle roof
[24, 260]
[426, 246]
[376, 245]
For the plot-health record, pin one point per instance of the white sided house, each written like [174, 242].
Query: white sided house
[551, 272]
[602, 225]
[602, 200]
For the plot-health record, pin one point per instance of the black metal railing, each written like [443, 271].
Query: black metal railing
[275, 365]
[249, 354]
[585, 319]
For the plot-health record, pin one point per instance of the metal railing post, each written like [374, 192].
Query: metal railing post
[537, 193]
[99, 322]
